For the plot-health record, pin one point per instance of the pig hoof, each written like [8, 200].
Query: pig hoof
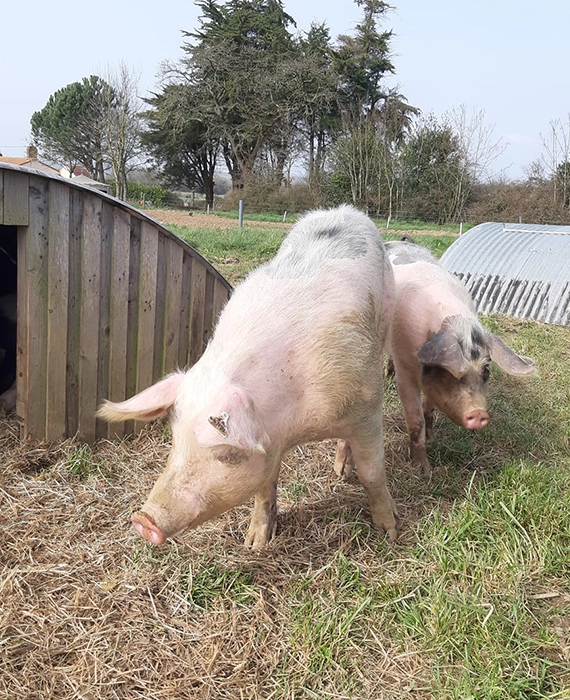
[422, 469]
[390, 531]
[392, 534]
[259, 535]
[147, 528]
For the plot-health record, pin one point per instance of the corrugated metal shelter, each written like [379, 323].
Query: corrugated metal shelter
[108, 301]
[520, 270]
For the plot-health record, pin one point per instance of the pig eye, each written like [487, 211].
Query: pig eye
[486, 373]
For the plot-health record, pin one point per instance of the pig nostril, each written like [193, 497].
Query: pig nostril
[147, 528]
[476, 420]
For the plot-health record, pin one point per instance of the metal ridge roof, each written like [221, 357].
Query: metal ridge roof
[520, 270]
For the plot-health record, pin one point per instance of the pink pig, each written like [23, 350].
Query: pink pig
[296, 356]
[439, 348]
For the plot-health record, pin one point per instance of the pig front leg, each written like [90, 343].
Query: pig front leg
[264, 516]
[410, 395]
[369, 461]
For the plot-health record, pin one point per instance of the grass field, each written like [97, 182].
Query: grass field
[472, 602]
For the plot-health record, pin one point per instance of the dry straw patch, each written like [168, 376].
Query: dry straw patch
[90, 611]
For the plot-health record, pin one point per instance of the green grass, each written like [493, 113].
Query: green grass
[234, 252]
[395, 225]
[436, 244]
[407, 226]
[269, 217]
[82, 463]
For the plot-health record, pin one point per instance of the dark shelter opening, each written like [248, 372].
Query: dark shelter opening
[8, 315]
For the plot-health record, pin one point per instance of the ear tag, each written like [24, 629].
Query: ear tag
[220, 423]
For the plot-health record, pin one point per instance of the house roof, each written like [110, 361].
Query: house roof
[28, 162]
[15, 161]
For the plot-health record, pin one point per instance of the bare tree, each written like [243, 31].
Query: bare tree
[556, 159]
[122, 124]
[478, 148]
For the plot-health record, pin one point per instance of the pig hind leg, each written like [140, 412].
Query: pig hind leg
[369, 460]
[428, 409]
[344, 460]
[264, 516]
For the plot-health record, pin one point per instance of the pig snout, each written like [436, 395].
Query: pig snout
[475, 420]
[147, 528]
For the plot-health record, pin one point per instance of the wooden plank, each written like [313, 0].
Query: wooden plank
[133, 312]
[161, 292]
[89, 325]
[35, 272]
[173, 307]
[119, 310]
[57, 322]
[102, 428]
[221, 296]
[209, 308]
[197, 304]
[16, 198]
[185, 302]
[74, 309]
[147, 305]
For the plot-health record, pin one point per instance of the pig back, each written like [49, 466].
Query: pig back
[324, 236]
[330, 266]
[425, 294]
[310, 324]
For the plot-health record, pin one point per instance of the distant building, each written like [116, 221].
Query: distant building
[80, 173]
[30, 161]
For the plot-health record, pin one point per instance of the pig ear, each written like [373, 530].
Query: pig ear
[443, 350]
[232, 421]
[507, 358]
[150, 404]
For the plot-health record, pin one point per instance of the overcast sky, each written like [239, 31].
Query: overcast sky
[508, 58]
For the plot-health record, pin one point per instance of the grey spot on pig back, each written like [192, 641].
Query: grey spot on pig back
[321, 236]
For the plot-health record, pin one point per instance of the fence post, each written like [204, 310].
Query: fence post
[284, 215]
[240, 214]
[460, 227]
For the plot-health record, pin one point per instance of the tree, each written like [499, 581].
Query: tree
[393, 124]
[120, 109]
[319, 114]
[431, 167]
[361, 63]
[555, 159]
[68, 128]
[239, 59]
[180, 140]
[478, 149]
